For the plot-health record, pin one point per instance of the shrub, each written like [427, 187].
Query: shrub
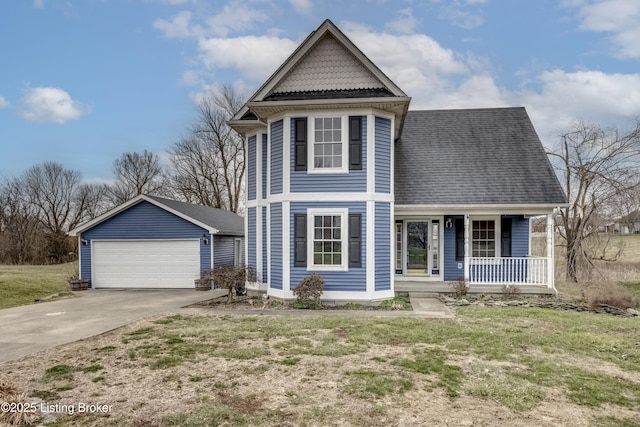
[232, 278]
[510, 292]
[460, 288]
[310, 289]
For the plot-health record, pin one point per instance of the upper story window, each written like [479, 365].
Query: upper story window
[327, 143]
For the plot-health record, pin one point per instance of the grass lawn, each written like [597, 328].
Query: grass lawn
[22, 284]
[489, 366]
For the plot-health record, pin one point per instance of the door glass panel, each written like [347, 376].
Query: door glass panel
[417, 247]
[435, 233]
[398, 247]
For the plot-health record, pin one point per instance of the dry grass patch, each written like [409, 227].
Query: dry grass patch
[489, 366]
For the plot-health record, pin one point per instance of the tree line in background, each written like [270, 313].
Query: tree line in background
[40, 206]
[599, 169]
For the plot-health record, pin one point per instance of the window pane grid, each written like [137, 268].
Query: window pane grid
[327, 242]
[483, 239]
[327, 147]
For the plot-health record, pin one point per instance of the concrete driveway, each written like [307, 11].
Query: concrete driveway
[31, 328]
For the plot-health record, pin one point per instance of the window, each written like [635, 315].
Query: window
[483, 238]
[327, 240]
[335, 144]
[327, 142]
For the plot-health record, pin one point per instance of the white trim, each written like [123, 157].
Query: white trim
[269, 131]
[371, 246]
[392, 249]
[392, 166]
[237, 261]
[213, 259]
[268, 244]
[258, 265]
[497, 223]
[338, 295]
[344, 233]
[80, 256]
[258, 166]
[344, 130]
[286, 154]
[331, 197]
[505, 209]
[286, 242]
[371, 152]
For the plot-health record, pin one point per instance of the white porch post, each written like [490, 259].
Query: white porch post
[550, 254]
[467, 256]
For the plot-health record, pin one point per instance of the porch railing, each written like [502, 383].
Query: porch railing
[508, 271]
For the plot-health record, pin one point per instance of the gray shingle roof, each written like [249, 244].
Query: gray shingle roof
[479, 156]
[225, 221]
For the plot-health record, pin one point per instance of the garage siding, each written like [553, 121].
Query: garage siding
[143, 221]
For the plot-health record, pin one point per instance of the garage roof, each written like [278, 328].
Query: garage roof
[216, 221]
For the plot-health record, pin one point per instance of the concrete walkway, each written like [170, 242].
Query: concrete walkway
[27, 329]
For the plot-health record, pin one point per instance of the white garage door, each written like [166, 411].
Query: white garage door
[145, 263]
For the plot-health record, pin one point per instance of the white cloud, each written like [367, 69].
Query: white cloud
[461, 16]
[304, 7]
[179, 26]
[38, 4]
[620, 18]
[171, 2]
[3, 102]
[607, 99]
[405, 23]
[255, 57]
[235, 17]
[52, 105]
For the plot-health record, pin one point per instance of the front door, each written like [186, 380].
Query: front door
[417, 248]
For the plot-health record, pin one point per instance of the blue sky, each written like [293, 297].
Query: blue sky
[83, 81]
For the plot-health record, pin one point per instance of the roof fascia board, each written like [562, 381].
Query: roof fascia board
[477, 209]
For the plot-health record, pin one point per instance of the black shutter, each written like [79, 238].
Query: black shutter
[355, 240]
[459, 224]
[300, 240]
[300, 143]
[355, 143]
[505, 246]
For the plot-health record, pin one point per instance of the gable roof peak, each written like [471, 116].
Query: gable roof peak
[326, 60]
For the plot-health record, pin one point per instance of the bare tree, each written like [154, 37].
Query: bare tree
[136, 173]
[19, 224]
[52, 190]
[597, 166]
[94, 198]
[209, 163]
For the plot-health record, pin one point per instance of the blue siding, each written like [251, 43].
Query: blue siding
[251, 168]
[251, 237]
[276, 246]
[264, 267]
[354, 280]
[263, 159]
[383, 246]
[383, 155]
[451, 270]
[355, 180]
[276, 156]
[144, 221]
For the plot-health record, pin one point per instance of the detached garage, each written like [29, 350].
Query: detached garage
[152, 242]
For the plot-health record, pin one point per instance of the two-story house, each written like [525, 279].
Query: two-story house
[345, 181]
